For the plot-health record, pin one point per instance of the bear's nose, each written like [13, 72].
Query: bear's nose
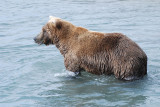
[35, 39]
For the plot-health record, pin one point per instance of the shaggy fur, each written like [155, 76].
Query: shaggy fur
[94, 52]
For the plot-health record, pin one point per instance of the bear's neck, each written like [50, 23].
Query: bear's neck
[62, 44]
[62, 48]
[65, 43]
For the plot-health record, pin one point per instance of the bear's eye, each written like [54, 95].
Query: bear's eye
[44, 30]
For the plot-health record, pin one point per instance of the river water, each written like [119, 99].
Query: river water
[35, 76]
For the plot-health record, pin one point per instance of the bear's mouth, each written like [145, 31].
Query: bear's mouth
[45, 41]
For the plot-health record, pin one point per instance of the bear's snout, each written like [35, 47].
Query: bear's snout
[37, 39]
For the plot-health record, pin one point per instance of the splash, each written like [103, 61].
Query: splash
[66, 73]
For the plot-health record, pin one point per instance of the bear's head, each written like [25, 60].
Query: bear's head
[55, 30]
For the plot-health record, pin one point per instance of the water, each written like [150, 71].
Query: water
[35, 76]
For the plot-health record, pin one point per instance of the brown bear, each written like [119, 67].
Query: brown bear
[94, 52]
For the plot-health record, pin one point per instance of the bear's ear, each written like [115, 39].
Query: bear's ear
[57, 23]
[52, 19]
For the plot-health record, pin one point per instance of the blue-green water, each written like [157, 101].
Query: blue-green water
[35, 76]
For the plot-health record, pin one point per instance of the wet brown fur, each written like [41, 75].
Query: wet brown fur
[95, 52]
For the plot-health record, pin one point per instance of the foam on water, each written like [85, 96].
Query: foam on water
[65, 73]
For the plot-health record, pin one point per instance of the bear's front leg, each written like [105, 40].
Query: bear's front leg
[72, 65]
